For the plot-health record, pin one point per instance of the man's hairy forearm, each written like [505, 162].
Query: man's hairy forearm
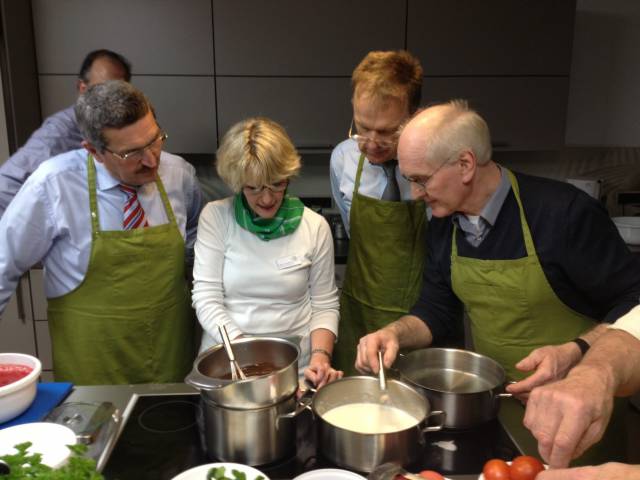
[411, 332]
[615, 357]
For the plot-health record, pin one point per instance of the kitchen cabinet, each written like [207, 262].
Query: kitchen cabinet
[523, 113]
[292, 38]
[494, 37]
[316, 112]
[24, 327]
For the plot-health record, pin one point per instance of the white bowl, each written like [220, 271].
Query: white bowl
[48, 439]
[329, 474]
[200, 472]
[629, 228]
[16, 397]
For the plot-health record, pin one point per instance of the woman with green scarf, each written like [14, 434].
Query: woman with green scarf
[264, 263]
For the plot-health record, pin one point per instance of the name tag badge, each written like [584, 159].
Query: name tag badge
[287, 262]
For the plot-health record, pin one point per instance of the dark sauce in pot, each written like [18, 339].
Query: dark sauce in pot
[254, 370]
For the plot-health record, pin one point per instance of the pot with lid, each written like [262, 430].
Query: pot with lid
[270, 364]
[466, 385]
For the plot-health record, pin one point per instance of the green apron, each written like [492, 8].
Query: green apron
[384, 268]
[510, 304]
[129, 320]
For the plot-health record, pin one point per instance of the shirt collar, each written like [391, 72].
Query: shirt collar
[104, 180]
[492, 208]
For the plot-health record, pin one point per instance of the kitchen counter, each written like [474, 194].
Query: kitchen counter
[510, 415]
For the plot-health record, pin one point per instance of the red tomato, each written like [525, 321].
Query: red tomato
[496, 469]
[431, 475]
[525, 468]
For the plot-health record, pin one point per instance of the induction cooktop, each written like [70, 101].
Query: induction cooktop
[163, 437]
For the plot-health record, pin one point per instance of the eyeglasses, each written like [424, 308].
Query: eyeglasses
[423, 182]
[384, 141]
[277, 187]
[155, 146]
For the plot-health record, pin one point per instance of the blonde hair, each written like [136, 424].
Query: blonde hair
[392, 74]
[256, 151]
[455, 129]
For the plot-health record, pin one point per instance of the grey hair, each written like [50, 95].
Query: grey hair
[453, 130]
[460, 128]
[112, 104]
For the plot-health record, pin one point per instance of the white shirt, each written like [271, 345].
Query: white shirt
[630, 322]
[49, 219]
[285, 286]
[373, 181]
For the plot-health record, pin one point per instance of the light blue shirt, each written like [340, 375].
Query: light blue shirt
[49, 219]
[344, 166]
[59, 133]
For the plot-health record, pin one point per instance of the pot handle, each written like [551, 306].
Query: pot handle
[435, 428]
[196, 380]
[302, 405]
[505, 394]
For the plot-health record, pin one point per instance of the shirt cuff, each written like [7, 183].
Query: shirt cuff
[630, 322]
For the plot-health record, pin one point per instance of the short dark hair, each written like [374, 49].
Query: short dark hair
[104, 53]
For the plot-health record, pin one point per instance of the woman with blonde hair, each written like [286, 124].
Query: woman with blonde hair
[263, 261]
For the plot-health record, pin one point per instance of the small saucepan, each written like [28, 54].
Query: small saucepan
[467, 386]
[361, 427]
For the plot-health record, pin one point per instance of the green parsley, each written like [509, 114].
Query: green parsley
[217, 473]
[25, 465]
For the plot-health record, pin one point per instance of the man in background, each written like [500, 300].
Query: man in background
[59, 133]
[385, 226]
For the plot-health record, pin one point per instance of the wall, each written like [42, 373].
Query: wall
[605, 75]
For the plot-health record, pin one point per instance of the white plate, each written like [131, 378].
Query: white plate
[200, 472]
[481, 476]
[49, 439]
[329, 474]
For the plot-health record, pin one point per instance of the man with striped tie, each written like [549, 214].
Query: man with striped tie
[113, 223]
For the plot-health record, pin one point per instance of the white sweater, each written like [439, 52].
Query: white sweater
[284, 286]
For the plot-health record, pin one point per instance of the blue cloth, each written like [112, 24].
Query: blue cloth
[48, 396]
[49, 219]
[344, 165]
[59, 133]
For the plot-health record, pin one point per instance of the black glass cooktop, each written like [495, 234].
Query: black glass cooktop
[161, 439]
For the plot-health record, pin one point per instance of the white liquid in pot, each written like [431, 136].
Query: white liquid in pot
[370, 418]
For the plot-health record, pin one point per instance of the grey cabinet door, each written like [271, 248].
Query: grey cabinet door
[492, 37]
[523, 113]
[294, 37]
[315, 111]
[16, 323]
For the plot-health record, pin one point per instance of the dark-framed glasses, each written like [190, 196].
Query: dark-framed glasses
[384, 141]
[422, 182]
[277, 187]
[154, 146]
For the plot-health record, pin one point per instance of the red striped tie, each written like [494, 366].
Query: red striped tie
[133, 213]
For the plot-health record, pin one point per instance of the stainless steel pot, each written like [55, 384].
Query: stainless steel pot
[212, 366]
[466, 385]
[251, 436]
[365, 451]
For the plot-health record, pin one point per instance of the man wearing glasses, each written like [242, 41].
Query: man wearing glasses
[534, 262]
[59, 133]
[112, 223]
[385, 226]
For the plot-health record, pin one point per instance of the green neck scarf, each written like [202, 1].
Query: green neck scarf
[285, 221]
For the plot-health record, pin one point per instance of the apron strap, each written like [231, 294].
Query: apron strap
[356, 186]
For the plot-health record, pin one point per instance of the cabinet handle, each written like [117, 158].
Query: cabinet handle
[19, 298]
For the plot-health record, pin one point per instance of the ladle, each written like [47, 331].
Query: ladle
[381, 376]
[236, 371]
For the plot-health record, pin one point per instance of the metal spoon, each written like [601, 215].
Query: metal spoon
[236, 371]
[381, 376]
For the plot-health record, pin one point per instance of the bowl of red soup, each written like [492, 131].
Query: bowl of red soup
[19, 375]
